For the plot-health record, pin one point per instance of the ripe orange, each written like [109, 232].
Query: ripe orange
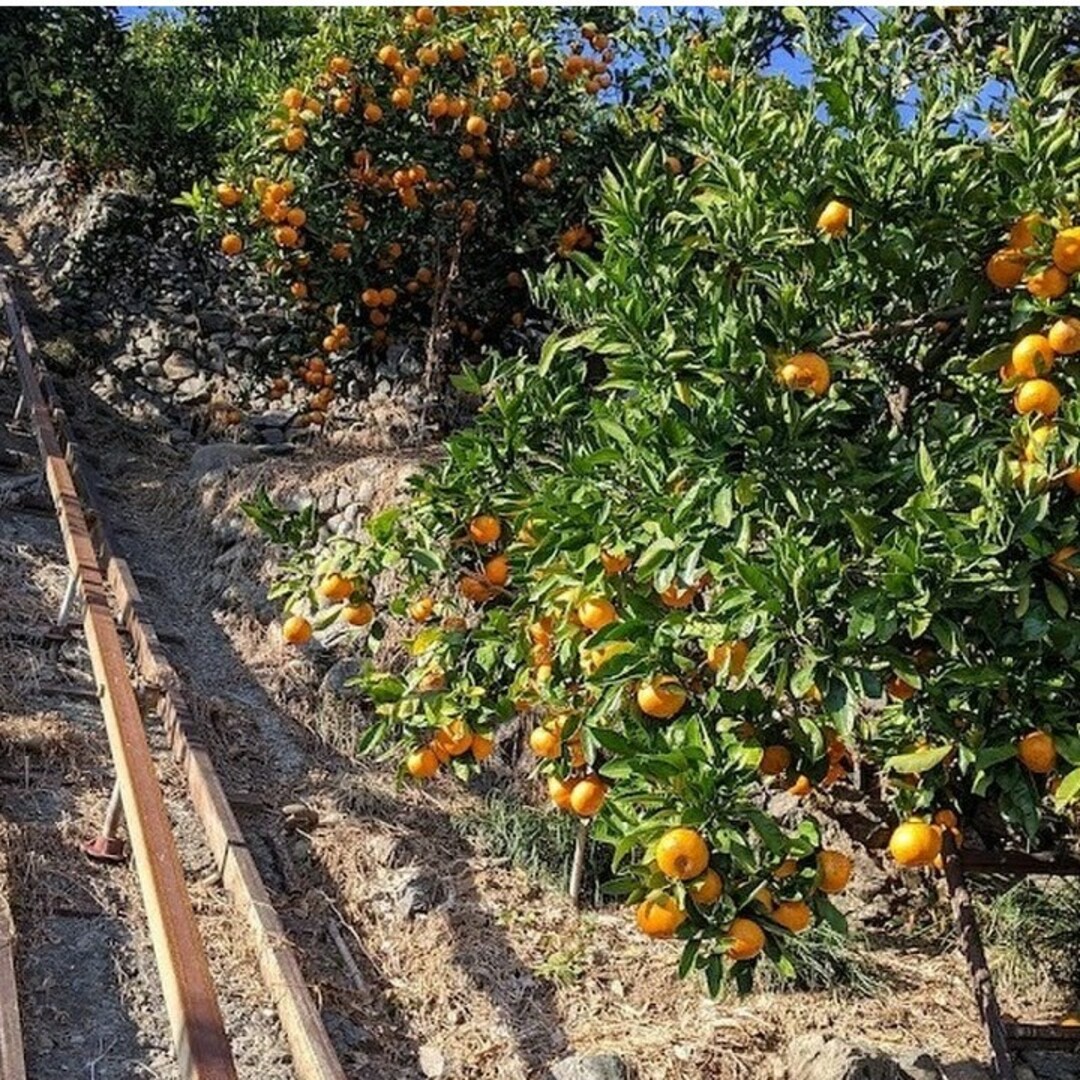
[596, 613]
[682, 854]
[229, 194]
[1037, 752]
[286, 236]
[806, 371]
[481, 747]
[358, 614]
[661, 696]
[745, 939]
[421, 610]
[947, 819]
[792, 915]
[559, 791]
[538, 77]
[774, 760]
[299, 290]
[485, 529]
[422, 764]
[389, 56]
[785, 869]
[373, 112]
[915, 843]
[545, 743]
[660, 916]
[1005, 268]
[1064, 336]
[588, 796]
[1037, 395]
[834, 871]
[475, 589]
[453, 740]
[231, 244]
[834, 218]
[336, 587]
[1021, 235]
[614, 562]
[292, 98]
[476, 126]
[675, 596]
[401, 97]
[296, 630]
[707, 889]
[1032, 355]
[294, 138]
[497, 570]
[733, 654]
[1072, 481]
[425, 16]
[1066, 250]
[456, 51]
[1047, 284]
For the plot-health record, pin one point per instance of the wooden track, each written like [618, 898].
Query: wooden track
[201, 1044]
[12, 1066]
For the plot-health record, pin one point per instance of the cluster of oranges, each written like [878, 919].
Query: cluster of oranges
[682, 856]
[1008, 267]
[336, 589]
[454, 740]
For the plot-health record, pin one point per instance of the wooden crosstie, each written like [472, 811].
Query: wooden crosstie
[1003, 1038]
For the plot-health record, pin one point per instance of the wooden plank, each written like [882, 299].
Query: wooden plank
[1043, 1036]
[971, 944]
[12, 1063]
[202, 1048]
[1019, 863]
[313, 1052]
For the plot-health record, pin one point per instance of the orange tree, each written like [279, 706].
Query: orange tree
[767, 503]
[420, 162]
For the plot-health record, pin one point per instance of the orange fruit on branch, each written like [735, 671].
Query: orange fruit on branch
[1064, 336]
[682, 854]
[232, 244]
[1032, 355]
[545, 743]
[588, 795]
[745, 939]
[296, 630]
[497, 570]
[707, 889]
[421, 610]
[614, 562]
[732, 654]
[793, 915]
[335, 587]
[596, 612]
[1066, 250]
[1047, 284]
[559, 791]
[485, 529]
[1037, 396]
[660, 916]
[834, 871]
[774, 760]
[358, 614]
[661, 696]
[915, 843]
[1005, 268]
[454, 740]
[422, 764]
[806, 371]
[1037, 752]
[834, 218]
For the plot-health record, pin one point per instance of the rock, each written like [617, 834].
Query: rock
[590, 1067]
[815, 1057]
[220, 456]
[178, 367]
[152, 369]
[339, 674]
[193, 390]
[420, 893]
[431, 1061]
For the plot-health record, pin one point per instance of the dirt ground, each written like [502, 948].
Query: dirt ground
[427, 957]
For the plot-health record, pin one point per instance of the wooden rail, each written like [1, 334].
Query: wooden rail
[313, 1056]
[198, 1030]
[12, 1065]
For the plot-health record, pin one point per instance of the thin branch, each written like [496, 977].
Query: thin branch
[904, 326]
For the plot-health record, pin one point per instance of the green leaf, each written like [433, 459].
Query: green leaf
[1068, 789]
[919, 761]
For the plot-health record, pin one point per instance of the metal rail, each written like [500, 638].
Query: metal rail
[198, 1030]
[313, 1056]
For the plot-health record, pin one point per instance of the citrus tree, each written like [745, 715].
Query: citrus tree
[420, 164]
[793, 486]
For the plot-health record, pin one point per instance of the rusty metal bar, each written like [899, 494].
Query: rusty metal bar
[1059, 1037]
[971, 944]
[202, 1048]
[12, 1063]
